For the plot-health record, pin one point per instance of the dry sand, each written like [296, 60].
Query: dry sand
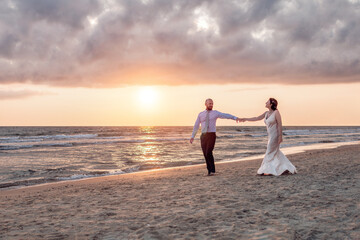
[320, 202]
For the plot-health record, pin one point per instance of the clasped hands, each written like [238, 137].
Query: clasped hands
[240, 120]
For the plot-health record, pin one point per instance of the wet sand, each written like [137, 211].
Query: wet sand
[320, 202]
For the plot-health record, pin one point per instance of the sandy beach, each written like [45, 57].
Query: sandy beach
[320, 202]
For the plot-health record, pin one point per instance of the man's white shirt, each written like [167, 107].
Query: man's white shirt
[213, 116]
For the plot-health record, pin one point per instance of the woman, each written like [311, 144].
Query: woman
[275, 162]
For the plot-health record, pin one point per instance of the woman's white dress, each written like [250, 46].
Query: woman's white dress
[274, 162]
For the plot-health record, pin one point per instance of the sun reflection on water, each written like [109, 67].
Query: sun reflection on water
[147, 130]
[149, 151]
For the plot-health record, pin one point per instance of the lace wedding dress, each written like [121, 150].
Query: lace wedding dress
[274, 162]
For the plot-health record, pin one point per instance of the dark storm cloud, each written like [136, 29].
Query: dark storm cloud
[112, 43]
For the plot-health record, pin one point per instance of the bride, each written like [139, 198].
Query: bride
[275, 162]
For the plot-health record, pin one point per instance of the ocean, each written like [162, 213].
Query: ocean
[35, 155]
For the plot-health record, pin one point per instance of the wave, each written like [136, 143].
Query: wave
[299, 133]
[92, 174]
[100, 173]
[28, 182]
[16, 147]
[63, 136]
[256, 135]
[15, 139]
[168, 139]
[302, 132]
[94, 141]
[310, 143]
[225, 136]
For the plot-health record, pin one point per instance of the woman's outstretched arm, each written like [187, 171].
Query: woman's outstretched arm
[253, 119]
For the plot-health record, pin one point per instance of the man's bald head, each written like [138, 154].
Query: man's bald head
[209, 104]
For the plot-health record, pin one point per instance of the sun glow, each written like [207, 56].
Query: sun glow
[147, 95]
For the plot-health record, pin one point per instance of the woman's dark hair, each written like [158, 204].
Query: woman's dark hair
[273, 103]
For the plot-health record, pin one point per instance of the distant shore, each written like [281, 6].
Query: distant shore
[320, 202]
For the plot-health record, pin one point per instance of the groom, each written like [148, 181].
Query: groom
[208, 119]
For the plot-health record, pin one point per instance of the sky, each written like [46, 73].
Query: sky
[154, 62]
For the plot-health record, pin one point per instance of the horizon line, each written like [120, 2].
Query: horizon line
[174, 126]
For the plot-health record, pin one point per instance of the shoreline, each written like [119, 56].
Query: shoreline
[319, 202]
[287, 151]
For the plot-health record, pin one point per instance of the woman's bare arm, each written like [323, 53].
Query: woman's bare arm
[279, 125]
[253, 119]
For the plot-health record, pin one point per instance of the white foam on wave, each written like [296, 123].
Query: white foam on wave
[132, 169]
[17, 139]
[84, 176]
[76, 176]
[9, 138]
[117, 137]
[62, 136]
[15, 147]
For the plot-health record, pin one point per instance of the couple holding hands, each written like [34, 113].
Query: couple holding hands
[274, 163]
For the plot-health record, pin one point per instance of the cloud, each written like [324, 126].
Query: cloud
[19, 94]
[93, 43]
[247, 89]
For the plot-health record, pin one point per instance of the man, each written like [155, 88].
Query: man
[208, 119]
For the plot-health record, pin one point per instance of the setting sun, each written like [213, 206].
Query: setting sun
[147, 95]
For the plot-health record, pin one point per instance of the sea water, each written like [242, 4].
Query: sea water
[34, 155]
